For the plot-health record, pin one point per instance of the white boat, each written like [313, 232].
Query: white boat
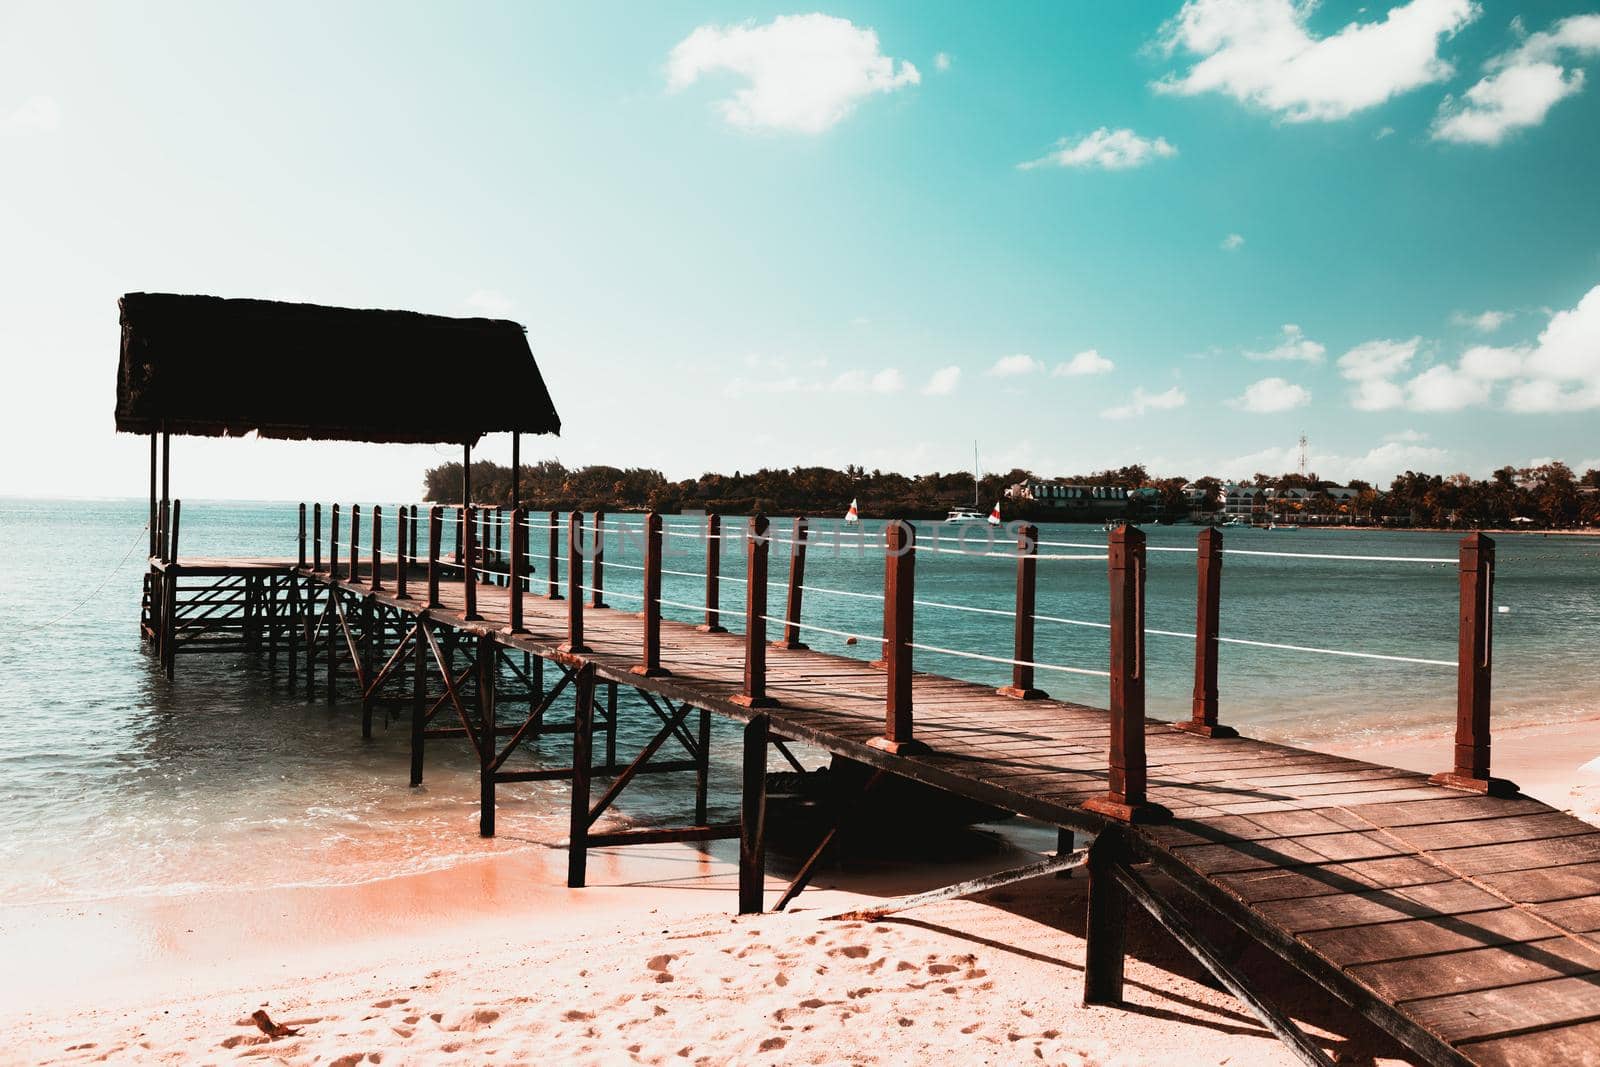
[971, 514]
[965, 515]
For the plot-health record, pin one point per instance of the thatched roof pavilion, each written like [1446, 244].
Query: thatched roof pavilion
[213, 367]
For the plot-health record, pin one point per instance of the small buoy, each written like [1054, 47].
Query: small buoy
[849, 640]
[1504, 609]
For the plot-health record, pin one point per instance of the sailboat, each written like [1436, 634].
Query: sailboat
[994, 516]
[971, 514]
[853, 515]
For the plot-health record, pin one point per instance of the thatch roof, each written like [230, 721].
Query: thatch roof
[210, 367]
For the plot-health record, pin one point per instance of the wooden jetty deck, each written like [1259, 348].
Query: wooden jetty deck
[1462, 922]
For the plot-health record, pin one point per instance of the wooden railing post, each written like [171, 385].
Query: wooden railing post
[404, 523]
[753, 816]
[302, 536]
[651, 667]
[553, 579]
[598, 570]
[797, 577]
[899, 595]
[755, 617]
[1125, 799]
[1207, 626]
[316, 537]
[713, 623]
[377, 548]
[1021, 687]
[519, 567]
[435, 546]
[355, 543]
[1474, 660]
[469, 563]
[574, 641]
[172, 533]
[333, 544]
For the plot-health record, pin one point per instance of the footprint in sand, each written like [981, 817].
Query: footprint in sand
[782, 979]
[576, 1016]
[852, 952]
[772, 1044]
[391, 1002]
[659, 963]
[942, 968]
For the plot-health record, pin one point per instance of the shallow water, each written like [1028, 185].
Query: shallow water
[117, 783]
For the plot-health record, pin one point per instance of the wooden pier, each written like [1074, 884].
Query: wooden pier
[1454, 913]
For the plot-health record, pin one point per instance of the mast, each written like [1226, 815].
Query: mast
[975, 504]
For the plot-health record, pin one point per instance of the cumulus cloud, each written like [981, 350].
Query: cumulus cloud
[1445, 388]
[1143, 401]
[1483, 321]
[1521, 85]
[1015, 366]
[805, 72]
[1084, 363]
[1294, 345]
[37, 114]
[1272, 395]
[490, 303]
[941, 61]
[1261, 52]
[1232, 242]
[1106, 149]
[943, 382]
[887, 380]
[1378, 359]
[1379, 465]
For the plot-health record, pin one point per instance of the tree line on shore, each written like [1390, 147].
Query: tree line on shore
[1548, 496]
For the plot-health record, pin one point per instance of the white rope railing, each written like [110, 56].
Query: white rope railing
[1008, 661]
[821, 629]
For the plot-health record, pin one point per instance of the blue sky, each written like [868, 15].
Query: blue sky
[749, 234]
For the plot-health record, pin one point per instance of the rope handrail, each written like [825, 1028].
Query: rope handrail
[1007, 660]
[820, 629]
[841, 592]
[1332, 555]
[1308, 648]
[1013, 554]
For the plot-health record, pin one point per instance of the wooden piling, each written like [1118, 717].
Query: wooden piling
[419, 695]
[1021, 687]
[316, 537]
[376, 581]
[1105, 941]
[755, 617]
[488, 675]
[713, 623]
[1125, 800]
[402, 565]
[597, 569]
[753, 817]
[651, 665]
[553, 575]
[301, 539]
[574, 642]
[899, 595]
[355, 543]
[1474, 661]
[435, 545]
[333, 544]
[1207, 627]
[469, 564]
[797, 576]
[519, 567]
[582, 747]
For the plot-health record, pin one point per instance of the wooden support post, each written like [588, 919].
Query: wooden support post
[611, 725]
[412, 546]
[651, 666]
[753, 818]
[574, 641]
[1474, 660]
[1207, 626]
[155, 504]
[702, 771]
[301, 538]
[713, 623]
[355, 543]
[296, 608]
[419, 698]
[1125, 799]
[316, 537]
[488, 674]
[369, 622]
[1105, 938]
[172, 533]
[519, 567]
[597, 571]
[466, 498]
[376, 582]
[582, 744]
[553, 577]
[469, 564]
[435, 545]
[797, 577]
[402, 562]
[755, 617]
[899, 595]
[333, 544]
[516, 469]
[1021, 687]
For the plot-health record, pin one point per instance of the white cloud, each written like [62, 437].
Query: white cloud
[1406, 436]
[1104, 148]
[1272, 395]
[1484, 321]
[1490, 364]
[888, 380]
[1295, 345]
[1378, 465]
[1015, 366]
[941, 61]
[1143, 401]
[1261, 52]
[1444, 388]
[37, 114]
[1378, 359]
[1232, 242]
[805, 72]
[1377, 394]
[1522, 85]
[490, 303]
[1588, 465]
[1084, 363]
[943, 382]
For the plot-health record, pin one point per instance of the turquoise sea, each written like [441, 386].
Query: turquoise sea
[118, 783]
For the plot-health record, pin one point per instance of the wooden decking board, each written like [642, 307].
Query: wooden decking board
[1568, 1046]
[1322, 849]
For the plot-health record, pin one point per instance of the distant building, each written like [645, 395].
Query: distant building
[1078, 501]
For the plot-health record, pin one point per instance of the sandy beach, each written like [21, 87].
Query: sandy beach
[495, 960]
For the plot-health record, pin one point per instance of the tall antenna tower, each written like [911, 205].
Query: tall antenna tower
[1302, 455]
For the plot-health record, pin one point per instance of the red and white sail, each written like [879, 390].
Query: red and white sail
[994, 516]
[852, 515]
